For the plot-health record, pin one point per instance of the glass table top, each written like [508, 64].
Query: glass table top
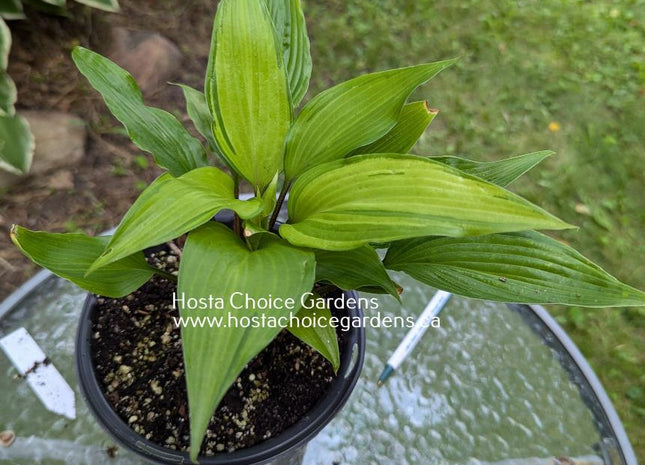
[490, 386]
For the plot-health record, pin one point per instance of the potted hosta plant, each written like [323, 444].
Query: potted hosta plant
[352, 189]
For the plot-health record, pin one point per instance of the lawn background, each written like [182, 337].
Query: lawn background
[551, 74]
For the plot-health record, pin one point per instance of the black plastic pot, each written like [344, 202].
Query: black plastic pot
[287, 444]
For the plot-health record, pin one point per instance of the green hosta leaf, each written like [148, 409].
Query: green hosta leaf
[321, 335]
[291, 30]
[16, 144]
[70, 256]
[199, 113]
[526, 267]
[413, 121]
[247, 91]
[359, 269]
[379, 198]
[151, 129]
[502, 172]
[352, 114]
[170, 207]
[216, 262]
[107, 5]
[11, 9]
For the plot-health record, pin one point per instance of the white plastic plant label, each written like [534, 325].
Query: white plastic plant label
[41, 375]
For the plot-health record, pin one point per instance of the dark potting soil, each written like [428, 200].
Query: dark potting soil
[138, 360]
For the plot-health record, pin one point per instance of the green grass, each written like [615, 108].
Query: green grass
[526, 66]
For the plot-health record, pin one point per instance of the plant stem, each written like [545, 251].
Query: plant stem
[325, 289]
[237, 225]
[165, 274]
[278, 205]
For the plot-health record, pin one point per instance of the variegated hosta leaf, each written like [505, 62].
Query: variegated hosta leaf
[107, 5]
[7, 87]
[247, 91]
[345, 204]
[56, 3]
[170, 207]
[8, 95]
[502, 172]
[215, 262]
[291, 30]
[413, 121]
[5, 45]
[16, 144]
[151, 129]
[526, 267]
[70, 256]
[359, 269]
[11, 9]
[352, 114]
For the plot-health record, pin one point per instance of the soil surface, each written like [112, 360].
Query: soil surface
[113, 171]
[138, 358]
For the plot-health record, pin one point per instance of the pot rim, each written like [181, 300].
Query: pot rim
[289, 440]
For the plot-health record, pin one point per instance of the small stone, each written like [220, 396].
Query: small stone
[154, 385]
[111, 451]
[124, 369]
[117, 359]
[7, 438]
[220, 447]
[170, 440]
[251, 377]
[133, 418]
[582, 209]
[62, 180]
[152, 59]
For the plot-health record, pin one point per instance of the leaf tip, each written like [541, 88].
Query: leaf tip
[336, 367]
[430, 110]
[451, 61]
[77, 50]
[13, 234]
